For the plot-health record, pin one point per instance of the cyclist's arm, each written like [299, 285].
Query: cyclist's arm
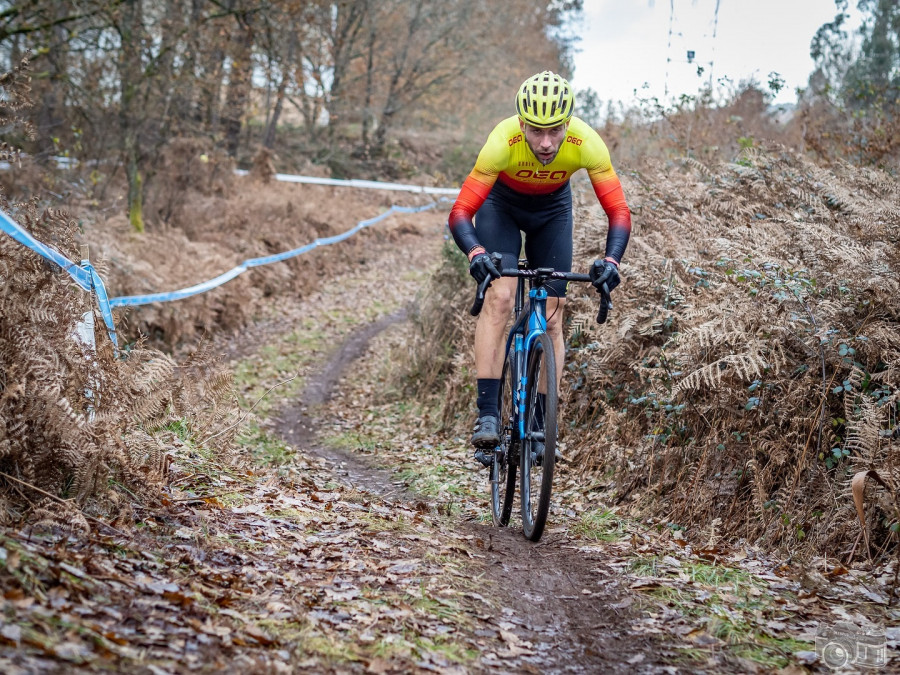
[492, 159]
[610, 194]
[474, 191]
[612, 199]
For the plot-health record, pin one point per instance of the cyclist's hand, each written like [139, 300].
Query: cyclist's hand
[484, 266]
[604, 272]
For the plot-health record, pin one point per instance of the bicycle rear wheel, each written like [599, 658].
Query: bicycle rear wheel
[506, 455]
[540, 427]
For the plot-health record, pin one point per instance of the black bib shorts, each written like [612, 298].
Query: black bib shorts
[544, 220]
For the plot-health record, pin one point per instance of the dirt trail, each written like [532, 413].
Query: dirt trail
[563, 606]
[298, 424]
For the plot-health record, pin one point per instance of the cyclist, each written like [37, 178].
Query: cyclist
[520, 185]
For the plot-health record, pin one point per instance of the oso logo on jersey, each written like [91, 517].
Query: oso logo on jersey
[542, 174]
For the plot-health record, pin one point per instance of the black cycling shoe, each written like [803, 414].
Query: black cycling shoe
[487, 432]
[484, 456]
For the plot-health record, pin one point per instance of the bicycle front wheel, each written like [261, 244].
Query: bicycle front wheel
[503, 469]
[539, 443]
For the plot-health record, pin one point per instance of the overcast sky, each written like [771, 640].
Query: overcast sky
[625, 44]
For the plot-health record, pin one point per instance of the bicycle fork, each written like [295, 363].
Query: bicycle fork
[537, 325]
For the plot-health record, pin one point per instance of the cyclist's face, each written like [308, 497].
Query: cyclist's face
[544, 143]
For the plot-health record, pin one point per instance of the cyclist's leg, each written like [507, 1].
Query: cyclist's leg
[550, 245]
[497, 232]
[490, 330]
[489, 343]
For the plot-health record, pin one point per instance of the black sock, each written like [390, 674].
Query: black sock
[488, 392]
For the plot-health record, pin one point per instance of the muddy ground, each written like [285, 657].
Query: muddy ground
[347, 535]
[566, 605]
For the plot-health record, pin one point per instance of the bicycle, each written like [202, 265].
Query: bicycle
[528, 416]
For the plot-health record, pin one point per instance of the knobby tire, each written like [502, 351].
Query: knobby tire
[503, 468]
[537, 480]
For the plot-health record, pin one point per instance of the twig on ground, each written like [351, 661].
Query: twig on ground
[62, 501]
[200, 498]
[246, 414]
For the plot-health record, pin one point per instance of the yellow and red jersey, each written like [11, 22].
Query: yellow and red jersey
[508, 158]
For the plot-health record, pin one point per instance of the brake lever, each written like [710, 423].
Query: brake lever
[479, 296]
[605, 305]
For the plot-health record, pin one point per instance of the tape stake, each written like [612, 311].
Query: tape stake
[99, 290]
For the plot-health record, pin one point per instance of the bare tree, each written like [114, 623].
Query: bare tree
[284, 68]
[239, 79]
[131, 32]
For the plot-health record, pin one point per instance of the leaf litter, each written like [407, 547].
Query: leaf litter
[279, 566]
[734, 607]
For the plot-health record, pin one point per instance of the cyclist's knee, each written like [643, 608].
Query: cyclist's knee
[555, 319]
[500, 300]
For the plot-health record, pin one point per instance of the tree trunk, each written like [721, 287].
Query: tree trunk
[212, 72]
[130, 71]
[51, 118]
[390, 105]
[135, 183]
[370, 78]
[167, 87]
[347, 23]
[238, 84]
[286, 65]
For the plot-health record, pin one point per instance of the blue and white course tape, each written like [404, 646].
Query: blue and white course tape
[354, 182]
[87, 278]
[132, 300]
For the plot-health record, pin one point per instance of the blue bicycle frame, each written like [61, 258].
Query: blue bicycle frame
[524, 440]
[523, 339]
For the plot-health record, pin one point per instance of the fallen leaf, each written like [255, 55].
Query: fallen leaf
[378, 667]
[12, 634]
[836, 571]
[259, 635]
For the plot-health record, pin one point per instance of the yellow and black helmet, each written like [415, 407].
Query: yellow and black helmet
[545, 100]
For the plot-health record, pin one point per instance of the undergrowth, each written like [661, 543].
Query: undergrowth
[84, 430]
[749, 369]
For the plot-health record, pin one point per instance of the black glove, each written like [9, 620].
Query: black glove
[484, 266]
[604, 272]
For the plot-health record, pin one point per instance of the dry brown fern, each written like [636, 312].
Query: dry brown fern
[70, 415]
[770, 343]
